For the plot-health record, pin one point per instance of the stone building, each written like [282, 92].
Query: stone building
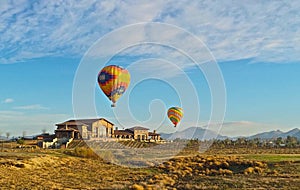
[136, 133]
[85, 129]
[93, 129]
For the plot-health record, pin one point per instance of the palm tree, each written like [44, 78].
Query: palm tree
[7, 135]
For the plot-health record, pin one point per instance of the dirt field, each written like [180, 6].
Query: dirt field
[54, 169]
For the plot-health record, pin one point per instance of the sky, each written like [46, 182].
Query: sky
[255, 45]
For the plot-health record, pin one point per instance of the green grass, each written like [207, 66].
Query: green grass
[273, 157]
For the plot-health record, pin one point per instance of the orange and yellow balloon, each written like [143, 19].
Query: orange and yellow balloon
[113, 81]
[175, 114]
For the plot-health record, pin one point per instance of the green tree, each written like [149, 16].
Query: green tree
[291, 141]
[241, 141]
[20, 141]
[279, 141]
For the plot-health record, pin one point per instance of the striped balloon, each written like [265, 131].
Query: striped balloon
[113, 81]
[175, 114]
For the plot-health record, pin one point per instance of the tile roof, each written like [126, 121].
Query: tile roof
[82, 121]
[138, 128]
[123, 132]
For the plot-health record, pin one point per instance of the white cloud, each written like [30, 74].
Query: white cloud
[7, 114]
[243, 29]
[16, 122]
[265, 30]
[31, 107]
[8, 100]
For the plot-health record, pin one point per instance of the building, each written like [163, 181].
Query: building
[93, 129]
[136, 133]
[43, 136]
[85, 129]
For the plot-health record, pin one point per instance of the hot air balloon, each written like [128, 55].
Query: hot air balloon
[175, 114]
[113, 81]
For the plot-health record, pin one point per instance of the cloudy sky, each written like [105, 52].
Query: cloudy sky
[255, 44]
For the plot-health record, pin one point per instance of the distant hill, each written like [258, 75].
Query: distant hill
[294, 133]
[3, 138]
[275, 134]
[198, 133]
[193, 133]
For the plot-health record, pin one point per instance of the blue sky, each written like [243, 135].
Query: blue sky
[256, 45]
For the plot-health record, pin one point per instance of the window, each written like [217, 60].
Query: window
[102, 131]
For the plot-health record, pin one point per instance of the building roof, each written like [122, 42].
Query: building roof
[63, 130]
[138, 128]
[82, 121]
[153, 134]
[123, 132]
[72, 122]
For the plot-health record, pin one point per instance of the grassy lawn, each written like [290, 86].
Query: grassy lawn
[273, 157]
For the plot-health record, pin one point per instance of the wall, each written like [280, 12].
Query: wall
[102, 128]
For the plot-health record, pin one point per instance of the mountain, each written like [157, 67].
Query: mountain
[275, 134]
[267, 135]
[294, 133]
[199, 133]
[193, 133]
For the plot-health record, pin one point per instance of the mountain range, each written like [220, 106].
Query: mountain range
[275, 134]
[206, 134]
[193, 133]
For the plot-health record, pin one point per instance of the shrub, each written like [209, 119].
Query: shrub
[249, 170]
[82, 152]
[20, 141]
[258, 169]
[137, 187]
[225, 171]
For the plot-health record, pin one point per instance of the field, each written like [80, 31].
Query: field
[79, 168]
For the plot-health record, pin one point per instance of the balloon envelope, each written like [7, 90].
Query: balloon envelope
[175, 114]
[113, 81]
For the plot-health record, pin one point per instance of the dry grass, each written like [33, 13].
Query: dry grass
[83, 152]
[80, 168]
[58, 171]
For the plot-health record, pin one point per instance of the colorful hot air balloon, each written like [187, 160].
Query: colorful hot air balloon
[113, 81]
[175, 114]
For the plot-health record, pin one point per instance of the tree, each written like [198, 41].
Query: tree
[44, 131]
[241, 141]
[23, 134]
[7, 135]
[279, 141]
[20, 141]
[227, 141]
[291, 141]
